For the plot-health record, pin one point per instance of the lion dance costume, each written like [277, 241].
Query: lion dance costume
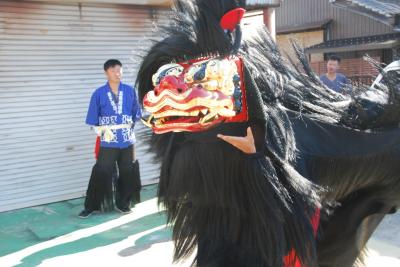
[207, 77]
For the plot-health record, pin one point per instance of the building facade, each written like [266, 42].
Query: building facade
[323, 29]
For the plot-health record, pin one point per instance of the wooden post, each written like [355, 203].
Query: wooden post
[269, 21]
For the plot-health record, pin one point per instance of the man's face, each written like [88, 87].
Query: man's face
[114, 74]
[332, 66]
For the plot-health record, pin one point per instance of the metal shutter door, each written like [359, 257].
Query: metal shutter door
[51, 58]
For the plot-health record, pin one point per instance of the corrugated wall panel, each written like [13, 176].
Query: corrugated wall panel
[300, 12]
[51, 58]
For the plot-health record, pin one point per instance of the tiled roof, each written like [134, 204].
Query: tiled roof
[365, 42]
[262, 3]
[386, 11]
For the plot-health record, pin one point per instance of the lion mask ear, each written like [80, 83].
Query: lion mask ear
[232, 18]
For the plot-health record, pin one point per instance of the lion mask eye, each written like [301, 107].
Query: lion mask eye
[169, 69]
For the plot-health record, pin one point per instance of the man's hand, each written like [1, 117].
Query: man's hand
[245, 144]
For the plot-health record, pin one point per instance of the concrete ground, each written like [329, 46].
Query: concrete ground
[53, 235]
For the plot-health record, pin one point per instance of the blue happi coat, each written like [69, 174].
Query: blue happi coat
[105, 108]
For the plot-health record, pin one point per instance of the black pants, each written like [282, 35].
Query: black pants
[99, 195]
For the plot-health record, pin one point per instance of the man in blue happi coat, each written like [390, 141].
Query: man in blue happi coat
[113, 111]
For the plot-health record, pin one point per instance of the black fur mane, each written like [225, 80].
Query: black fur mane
[277, 94]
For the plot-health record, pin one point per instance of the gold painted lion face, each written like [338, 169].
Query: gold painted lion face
[194, 96]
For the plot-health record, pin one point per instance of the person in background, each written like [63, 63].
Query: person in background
[333, 79]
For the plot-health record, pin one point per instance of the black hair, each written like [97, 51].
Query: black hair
[334, 58]
[111, 63]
